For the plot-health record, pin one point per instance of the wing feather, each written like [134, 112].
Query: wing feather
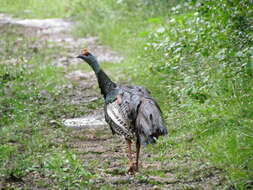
[118, 118]
[133, 113]
[149, 122]
[115, 113]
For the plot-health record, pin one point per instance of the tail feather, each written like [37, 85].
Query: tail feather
[149, 122]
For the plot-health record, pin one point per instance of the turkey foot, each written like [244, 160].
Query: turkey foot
[133, 168]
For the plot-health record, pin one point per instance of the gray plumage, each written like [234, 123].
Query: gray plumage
[141, 116]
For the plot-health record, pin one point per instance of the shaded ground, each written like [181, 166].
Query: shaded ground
[101, 153]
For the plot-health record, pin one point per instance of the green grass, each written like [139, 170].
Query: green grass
[37, 8]
[32, 148]
[196, 59]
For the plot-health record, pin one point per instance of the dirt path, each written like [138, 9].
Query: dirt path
[101, 153]
[57, 33]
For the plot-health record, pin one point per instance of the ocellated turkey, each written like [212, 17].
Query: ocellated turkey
[129, 110]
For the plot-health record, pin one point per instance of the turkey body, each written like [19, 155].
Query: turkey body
[129, 110]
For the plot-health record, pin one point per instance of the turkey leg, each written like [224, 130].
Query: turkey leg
[138, 147]
[131, 169]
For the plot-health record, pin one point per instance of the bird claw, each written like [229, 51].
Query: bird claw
[132, 169]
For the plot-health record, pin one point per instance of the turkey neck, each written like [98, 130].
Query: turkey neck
[104, 82]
